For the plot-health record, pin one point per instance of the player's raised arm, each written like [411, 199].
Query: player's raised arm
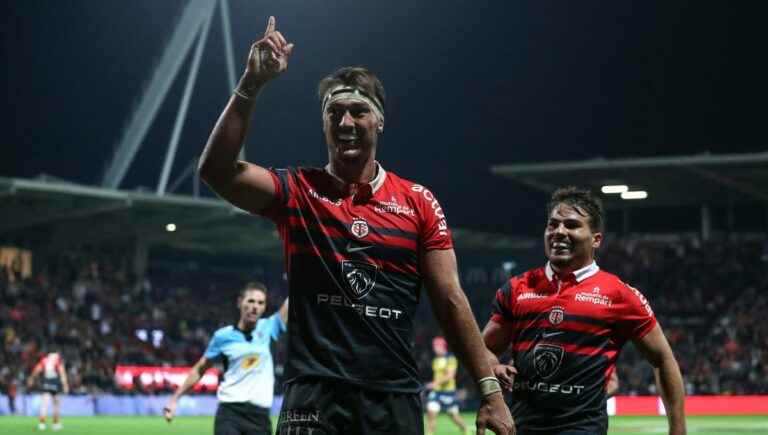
[452, 310]
[245, 185]
[284, 311]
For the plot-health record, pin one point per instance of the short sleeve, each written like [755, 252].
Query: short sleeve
[501, 310]
[282, 181]
[434, 232]
[635, 317]
[214, 348]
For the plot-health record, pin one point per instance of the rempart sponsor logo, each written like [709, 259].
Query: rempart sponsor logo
[594, 298]
[393, 207]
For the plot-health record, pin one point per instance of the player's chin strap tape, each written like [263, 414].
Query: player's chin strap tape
[344, 92]
[489, 385]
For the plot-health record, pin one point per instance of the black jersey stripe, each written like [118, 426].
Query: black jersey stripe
[576, 338]
[339, 225]
[568, 317]
[387, 253]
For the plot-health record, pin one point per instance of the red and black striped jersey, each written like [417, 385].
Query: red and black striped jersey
[50, 365]
[352, 256]
[567, 334]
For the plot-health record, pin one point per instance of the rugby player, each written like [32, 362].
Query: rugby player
[359, 242]
[442, 394]
[54, 381]
[566, 323]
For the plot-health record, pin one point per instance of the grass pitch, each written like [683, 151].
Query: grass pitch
[105, 425]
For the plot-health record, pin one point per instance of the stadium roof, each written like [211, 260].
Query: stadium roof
[669, 181]
[60, 213]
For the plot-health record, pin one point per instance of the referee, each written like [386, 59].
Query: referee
[245, 395]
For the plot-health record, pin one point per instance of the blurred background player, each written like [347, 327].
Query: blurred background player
[566, 324]
[443, 387]
[246, 393]
[53, 382]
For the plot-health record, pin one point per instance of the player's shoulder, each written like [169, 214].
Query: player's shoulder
[410, 188]
[611, 281]
[224, 332]
[529, 280]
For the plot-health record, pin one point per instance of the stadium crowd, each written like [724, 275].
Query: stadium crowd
[709, 297]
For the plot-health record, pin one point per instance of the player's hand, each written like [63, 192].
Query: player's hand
[268, 56]
[494, 415]
[505, 373]
[169, 410]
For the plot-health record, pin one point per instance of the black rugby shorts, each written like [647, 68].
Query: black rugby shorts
[324, 407]
[241, 419]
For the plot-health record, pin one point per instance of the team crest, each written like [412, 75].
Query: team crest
[359, 228]
[359, 278]
[547, 359]
[556, 315]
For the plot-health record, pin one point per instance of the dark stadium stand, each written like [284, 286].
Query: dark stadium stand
[710, 297]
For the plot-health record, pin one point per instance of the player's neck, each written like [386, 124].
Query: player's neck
[353, 172]
[564, 270]
[245, 326]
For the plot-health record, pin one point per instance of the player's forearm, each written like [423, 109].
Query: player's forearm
[670, 383]
[194, 375]
[219, 158]
[463, 334]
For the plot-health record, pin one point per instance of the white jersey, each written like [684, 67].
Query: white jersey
[249, 374]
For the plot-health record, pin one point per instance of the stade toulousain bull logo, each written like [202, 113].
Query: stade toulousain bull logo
[556, 315]
[359, 278]
[359, 228]
[547, 359]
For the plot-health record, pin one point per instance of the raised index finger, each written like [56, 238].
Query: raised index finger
[270, 26]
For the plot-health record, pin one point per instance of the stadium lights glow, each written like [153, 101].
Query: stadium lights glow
[634, 194]
[614, 188]
[170, 227]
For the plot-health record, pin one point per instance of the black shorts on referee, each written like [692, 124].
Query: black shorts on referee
[322, 407]
[241, 419]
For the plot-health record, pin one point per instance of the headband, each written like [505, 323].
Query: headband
[344, 92]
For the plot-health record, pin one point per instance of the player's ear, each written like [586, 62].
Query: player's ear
[597, 240]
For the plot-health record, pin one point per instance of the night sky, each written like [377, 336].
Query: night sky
[469, 84]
